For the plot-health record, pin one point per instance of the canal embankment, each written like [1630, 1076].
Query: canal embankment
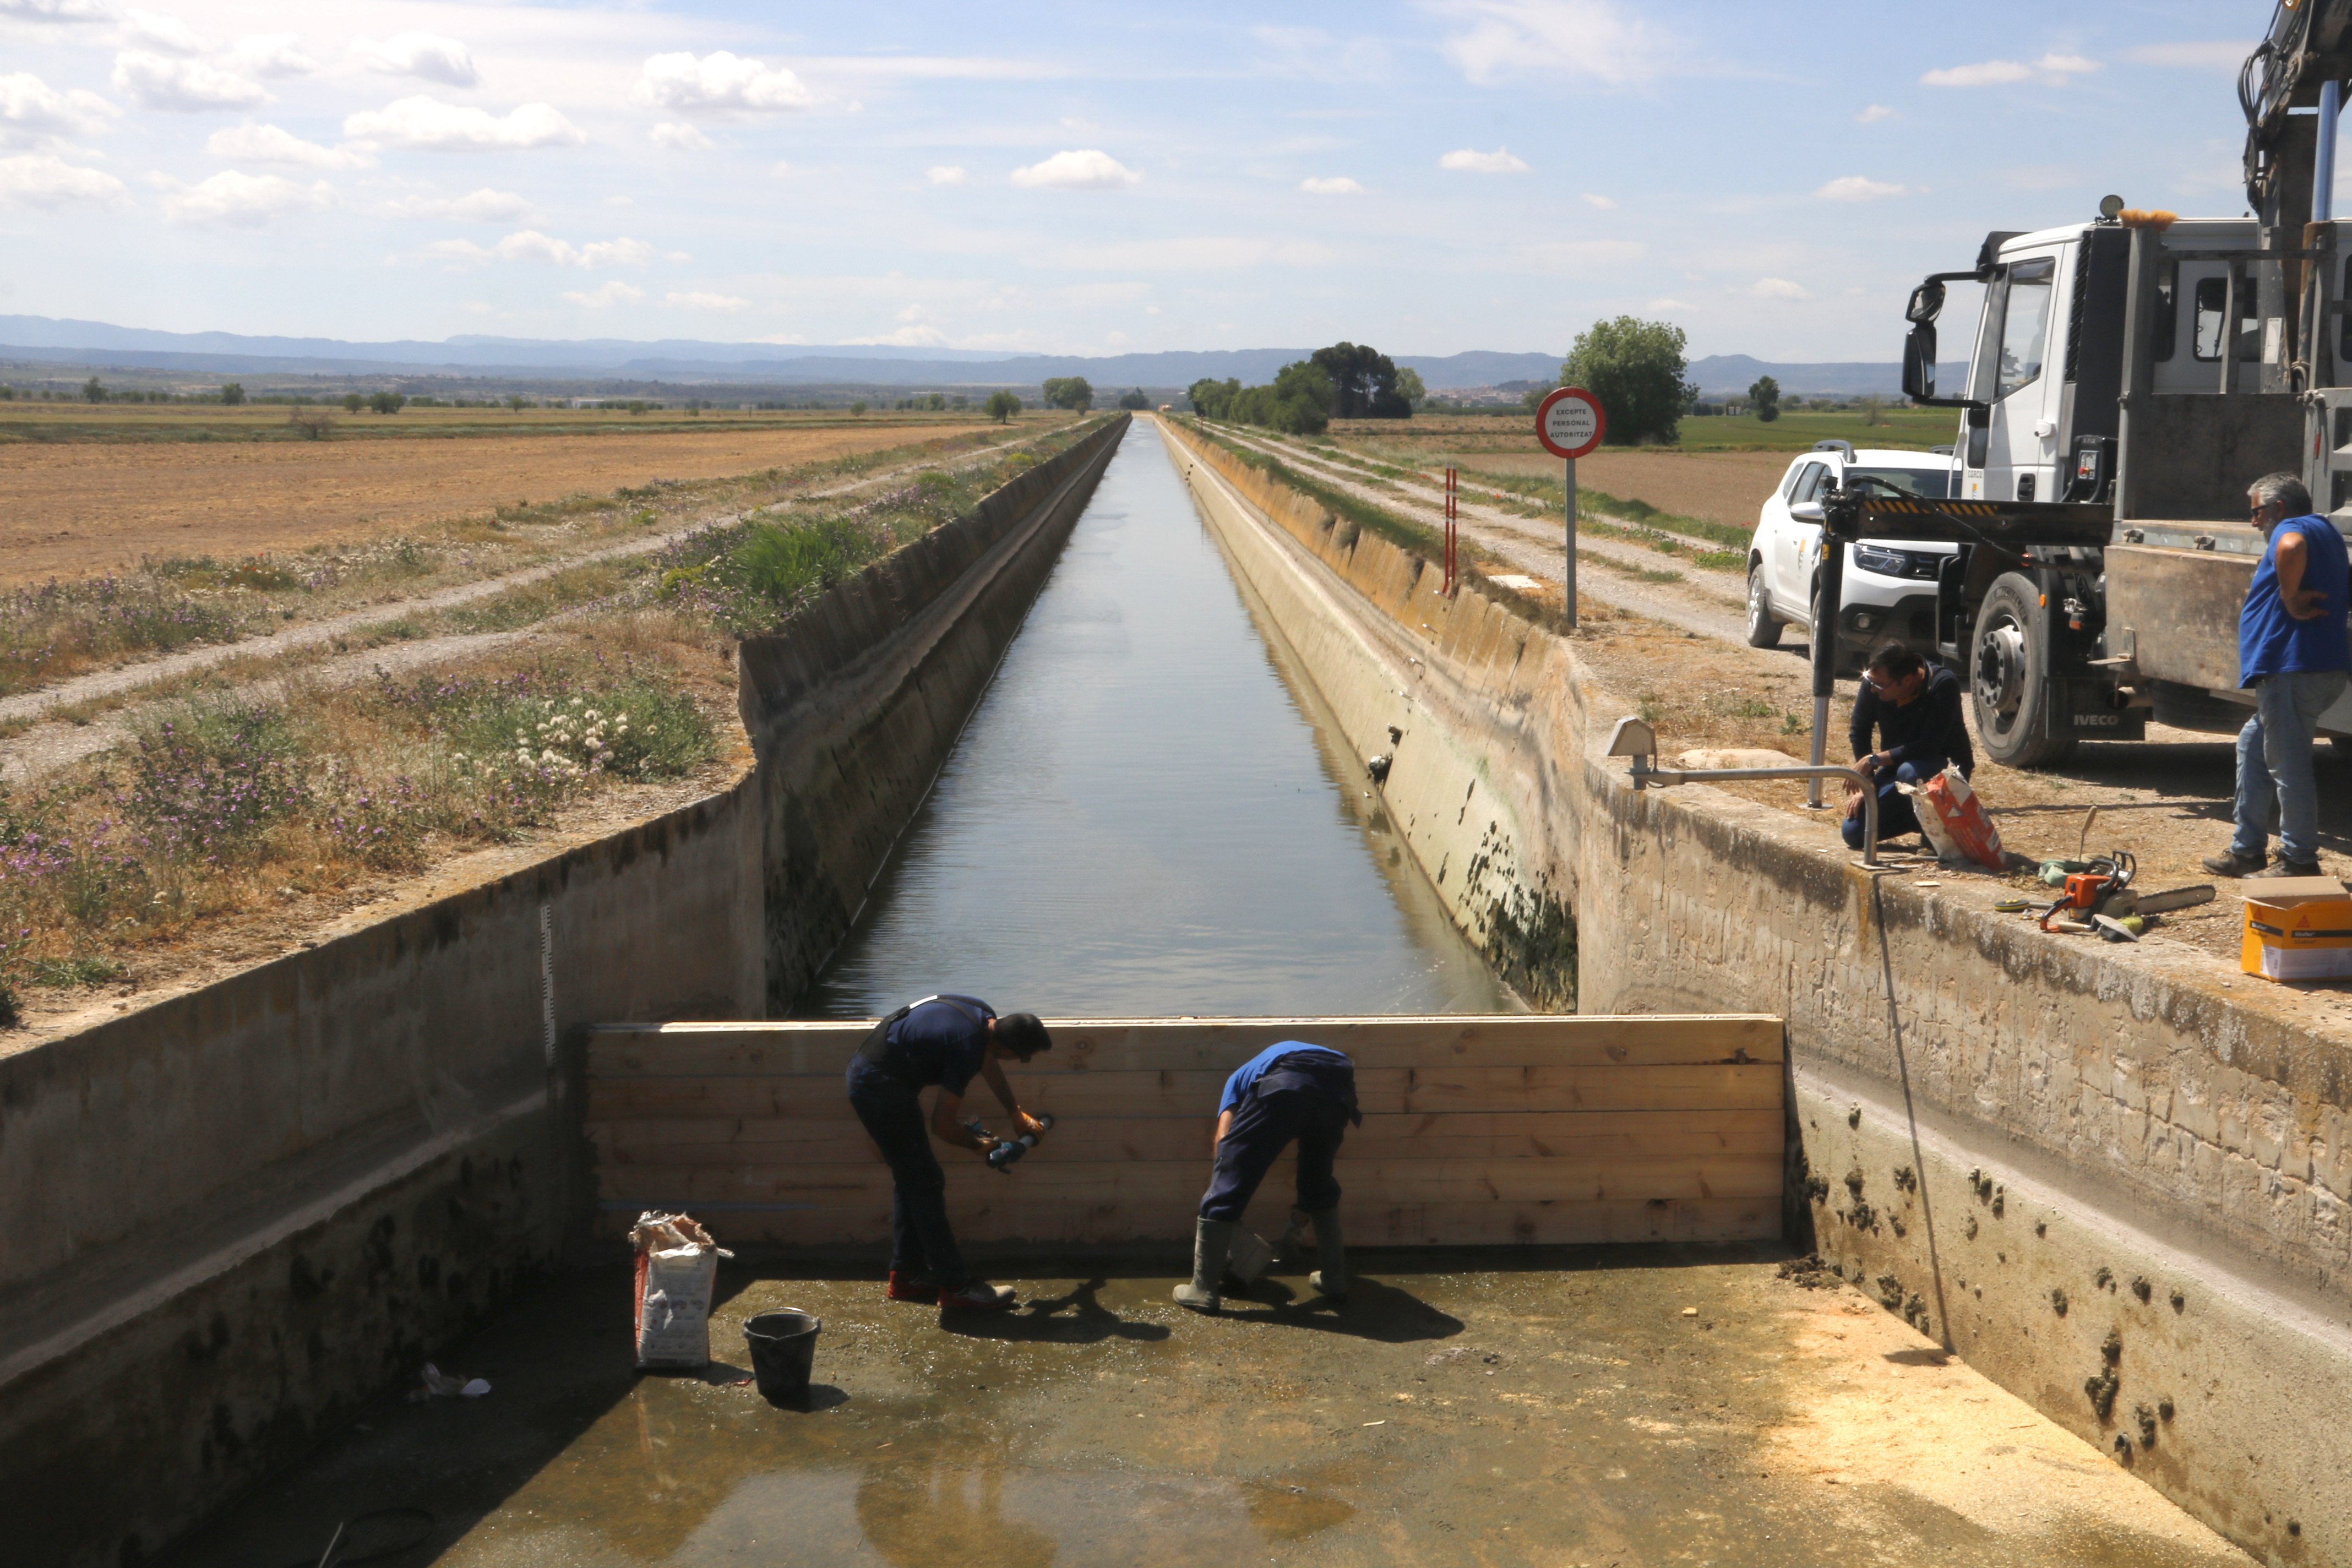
[2112, 1179]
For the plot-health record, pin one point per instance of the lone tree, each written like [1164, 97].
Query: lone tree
[1363, 382]
[1071, 392]
[1764, 393]
[1134, 400]
[1003, 405]
[1636, 369]
[232, 394]
[353, 402]
[93, 390]
[388, 402]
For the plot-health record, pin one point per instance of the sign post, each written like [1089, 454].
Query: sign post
[1569, 423]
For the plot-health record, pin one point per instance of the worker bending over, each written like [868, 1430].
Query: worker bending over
[941, 1040]
[1288, 1093]
[1914, 708]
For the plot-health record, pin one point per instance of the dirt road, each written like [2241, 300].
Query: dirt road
[77, 510]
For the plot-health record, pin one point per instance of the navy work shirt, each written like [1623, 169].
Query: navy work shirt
[1245, 1077]
[2271, 641]
[942, 1041]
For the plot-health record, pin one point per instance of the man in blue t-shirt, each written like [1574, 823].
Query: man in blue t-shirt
[1288, 1091]
[2292, 649]
[944, 1041]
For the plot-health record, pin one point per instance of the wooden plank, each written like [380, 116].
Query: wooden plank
[675, 1050]
[1367, 1224]
[971, 1186]
[1619, 1134]
[1194, 1092]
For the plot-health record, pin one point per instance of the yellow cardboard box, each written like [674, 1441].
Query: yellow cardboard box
[2297, 927]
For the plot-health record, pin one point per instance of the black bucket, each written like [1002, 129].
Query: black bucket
[783, 1351]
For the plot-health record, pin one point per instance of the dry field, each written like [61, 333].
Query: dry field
[1716, 486]
[75, 509]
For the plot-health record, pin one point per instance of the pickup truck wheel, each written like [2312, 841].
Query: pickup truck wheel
[1763, 625]
[2009, 661]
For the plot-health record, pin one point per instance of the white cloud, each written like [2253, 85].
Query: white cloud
[40, 180]
[31, 107]
[1669, 305]
[54, 10]
[1595, 38]
[269, 144]
[1087, 169]
[427, 55]
[244, 201]
[605, 296]
[1856, 188]
[155, 81]
[1468, 159]
[781, 170]
[432, 125]
[1336, 185]
[2216, 54]
[719, 81]
[1874, 114]
[701, 301]
[169, 33]
[529, 244]
[945, 173]
[271, 54]
[915, 333]
[677, 136]
[484, 206]
[2049, 69]
[1777, 289]
[1605, 203]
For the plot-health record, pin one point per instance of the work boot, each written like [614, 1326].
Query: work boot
[981, 1297]
[911, 1288]
[1213, 1240]
[1331, 1279]
[2285, 867]
[2230, 863]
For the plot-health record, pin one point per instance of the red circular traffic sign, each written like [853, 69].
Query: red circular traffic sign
[1570, 422]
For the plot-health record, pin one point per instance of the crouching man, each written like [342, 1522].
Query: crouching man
[946, 1041]
[1288, 1093]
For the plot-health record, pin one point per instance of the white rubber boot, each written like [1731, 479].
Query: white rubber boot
[1331, 1279]
[1213, 1240]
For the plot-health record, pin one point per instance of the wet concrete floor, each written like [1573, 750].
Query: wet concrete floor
[1628, 1407]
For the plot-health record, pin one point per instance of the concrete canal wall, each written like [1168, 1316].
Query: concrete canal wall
[230, 1219]
[2115, 1179]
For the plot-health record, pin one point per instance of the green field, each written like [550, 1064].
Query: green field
[1797, 430]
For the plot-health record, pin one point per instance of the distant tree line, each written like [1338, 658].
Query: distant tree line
[1346, 381]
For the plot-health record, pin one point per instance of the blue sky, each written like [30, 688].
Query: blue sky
[1429, 178]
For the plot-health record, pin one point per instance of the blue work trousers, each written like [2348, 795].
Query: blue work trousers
[2276, 791]
[1895, 816]
[1312, 1110]
[921, 1243]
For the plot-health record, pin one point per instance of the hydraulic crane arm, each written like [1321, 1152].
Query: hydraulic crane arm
[2307, 51]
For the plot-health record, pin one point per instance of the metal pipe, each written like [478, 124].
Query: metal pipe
[2323, 165]
[1660, 778]
[1825, 620]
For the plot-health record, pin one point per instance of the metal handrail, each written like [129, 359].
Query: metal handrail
[1646, 777]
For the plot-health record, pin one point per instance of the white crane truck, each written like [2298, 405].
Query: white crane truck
[2131, 375]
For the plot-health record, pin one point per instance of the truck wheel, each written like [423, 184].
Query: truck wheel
[1763, 625]
[2008, 664]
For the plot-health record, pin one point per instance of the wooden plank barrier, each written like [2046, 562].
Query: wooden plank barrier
[1477, 1130]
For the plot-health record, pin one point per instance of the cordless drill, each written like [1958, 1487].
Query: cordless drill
[1001, 1158]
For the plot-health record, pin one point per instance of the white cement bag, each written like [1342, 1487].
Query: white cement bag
[677, 1275]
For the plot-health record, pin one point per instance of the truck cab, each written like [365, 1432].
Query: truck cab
[2128, 378]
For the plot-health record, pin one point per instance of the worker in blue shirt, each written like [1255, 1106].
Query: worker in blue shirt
[1288, 1091]
[943, 1041]
[2292, 649]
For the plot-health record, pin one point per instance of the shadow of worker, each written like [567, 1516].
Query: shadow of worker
[1043, 1321]
[1370, 1310]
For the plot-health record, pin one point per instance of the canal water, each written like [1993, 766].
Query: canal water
[1149, 813]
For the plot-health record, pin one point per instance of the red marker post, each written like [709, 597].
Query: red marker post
[1569, 423]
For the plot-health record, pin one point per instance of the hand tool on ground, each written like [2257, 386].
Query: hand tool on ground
[2132, 901]
[1007, 1150]
[2112, 930]
[2085, 890]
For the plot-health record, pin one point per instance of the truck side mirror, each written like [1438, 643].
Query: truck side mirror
[1919, 363]
[1926, 303]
